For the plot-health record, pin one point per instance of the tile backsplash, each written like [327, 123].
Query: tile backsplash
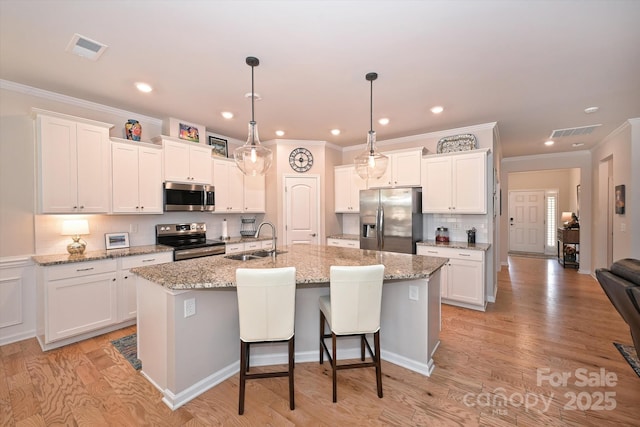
[457, 225]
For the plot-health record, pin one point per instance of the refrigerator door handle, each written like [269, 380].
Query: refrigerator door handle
[381, 229]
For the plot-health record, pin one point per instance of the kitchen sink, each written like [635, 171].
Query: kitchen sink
[252, 255]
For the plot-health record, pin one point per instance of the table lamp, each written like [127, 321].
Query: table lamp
[75, 227]
[566, 218]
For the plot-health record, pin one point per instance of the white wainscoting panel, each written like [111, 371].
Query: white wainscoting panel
[17, 299]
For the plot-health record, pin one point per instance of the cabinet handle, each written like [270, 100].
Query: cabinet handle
[84, 269]
[432, 252]
[148, 260]
[464, 254]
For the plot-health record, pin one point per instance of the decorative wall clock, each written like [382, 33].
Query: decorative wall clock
[301, 159]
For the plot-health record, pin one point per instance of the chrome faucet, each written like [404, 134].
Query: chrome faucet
[273, 236]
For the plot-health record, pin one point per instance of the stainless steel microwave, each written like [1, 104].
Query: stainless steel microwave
[188, 197]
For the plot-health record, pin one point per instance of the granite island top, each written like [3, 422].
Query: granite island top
[312, 266]
[56, 259]
[456, 245]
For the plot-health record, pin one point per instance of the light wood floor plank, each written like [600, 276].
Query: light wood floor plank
[545, 317]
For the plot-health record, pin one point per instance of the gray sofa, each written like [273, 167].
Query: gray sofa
[621, 283]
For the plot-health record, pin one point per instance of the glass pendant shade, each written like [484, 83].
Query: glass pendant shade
[253, 158]
[371, 164]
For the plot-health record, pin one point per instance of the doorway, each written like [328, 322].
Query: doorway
[302, 209]
[526, 221]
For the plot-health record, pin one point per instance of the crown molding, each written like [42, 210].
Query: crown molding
[555, 156]
[69, 100]
[422, 136]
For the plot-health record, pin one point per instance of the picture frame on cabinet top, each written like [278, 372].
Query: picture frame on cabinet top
[218, 147]
[116, 240]
[184, 130]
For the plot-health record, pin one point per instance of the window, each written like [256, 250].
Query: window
[551, 198]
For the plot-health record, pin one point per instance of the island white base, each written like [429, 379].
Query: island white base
[185, 356]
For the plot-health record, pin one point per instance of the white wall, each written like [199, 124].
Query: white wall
[623, 148]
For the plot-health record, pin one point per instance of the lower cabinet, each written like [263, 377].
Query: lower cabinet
[127, 304]
[75, 298]
[462, 278]
[256, 245]
[79, 300]
[343, 243]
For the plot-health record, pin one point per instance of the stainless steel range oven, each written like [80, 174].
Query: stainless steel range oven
[188, 240]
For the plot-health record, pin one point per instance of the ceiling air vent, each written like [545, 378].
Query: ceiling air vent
[584, 130]
[85, 47]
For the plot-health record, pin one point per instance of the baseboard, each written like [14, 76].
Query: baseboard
[21, 336]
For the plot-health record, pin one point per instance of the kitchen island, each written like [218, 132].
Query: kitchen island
[188, 333]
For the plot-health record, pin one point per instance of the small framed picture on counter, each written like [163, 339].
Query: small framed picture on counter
[117, 240]
[218, 146]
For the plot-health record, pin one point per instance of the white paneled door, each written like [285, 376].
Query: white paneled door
[526, 221]
[302, 209]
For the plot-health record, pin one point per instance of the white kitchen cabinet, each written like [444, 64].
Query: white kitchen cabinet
[347, 186]
[74, 299]
[455, 183]
[136, 178]
[186, 162]
[462, 278]
[254, 194]
[73, 164]
[403, 170]
[343, 243]
[228, 181]
[234, 248]
[126, 283]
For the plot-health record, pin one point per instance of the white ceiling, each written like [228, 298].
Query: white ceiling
[531, 66]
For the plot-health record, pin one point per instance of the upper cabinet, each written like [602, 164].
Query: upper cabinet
[236, 192]
[136, 177]
[229, 186]
[347, 185]
[186, 162]
[455, 183]
[73, 164]
[403, 169]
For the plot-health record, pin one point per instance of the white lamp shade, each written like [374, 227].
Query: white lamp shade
[73, 227]
[566, 216]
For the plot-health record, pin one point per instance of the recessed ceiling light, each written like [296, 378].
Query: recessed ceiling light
[549, 143]
[437, 109]
[335, 132]
[227, 114]
[143, 87]
[383, 121]
[280, 132]
[256, 96]
[577, 144]
[590, 110]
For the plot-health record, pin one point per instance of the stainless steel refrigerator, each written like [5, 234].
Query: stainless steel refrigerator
[391, 219]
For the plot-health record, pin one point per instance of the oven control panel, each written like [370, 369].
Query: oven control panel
[179, 229]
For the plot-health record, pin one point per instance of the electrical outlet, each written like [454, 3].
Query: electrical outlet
[189, 307]
[133, 228]
[413, 293]
[623, 226]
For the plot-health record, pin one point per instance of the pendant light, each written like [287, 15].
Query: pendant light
[253, 158]
[371, 164]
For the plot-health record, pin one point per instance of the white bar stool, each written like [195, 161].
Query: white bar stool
[353, 308]
[266, 309]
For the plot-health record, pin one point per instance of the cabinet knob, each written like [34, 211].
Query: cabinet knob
[312, 234]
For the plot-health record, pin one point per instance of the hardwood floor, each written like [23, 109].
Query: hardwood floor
[546, 318]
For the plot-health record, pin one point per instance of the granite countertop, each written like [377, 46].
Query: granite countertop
[344, 236]
[312, 266]
[456, 245]
[98, 255]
